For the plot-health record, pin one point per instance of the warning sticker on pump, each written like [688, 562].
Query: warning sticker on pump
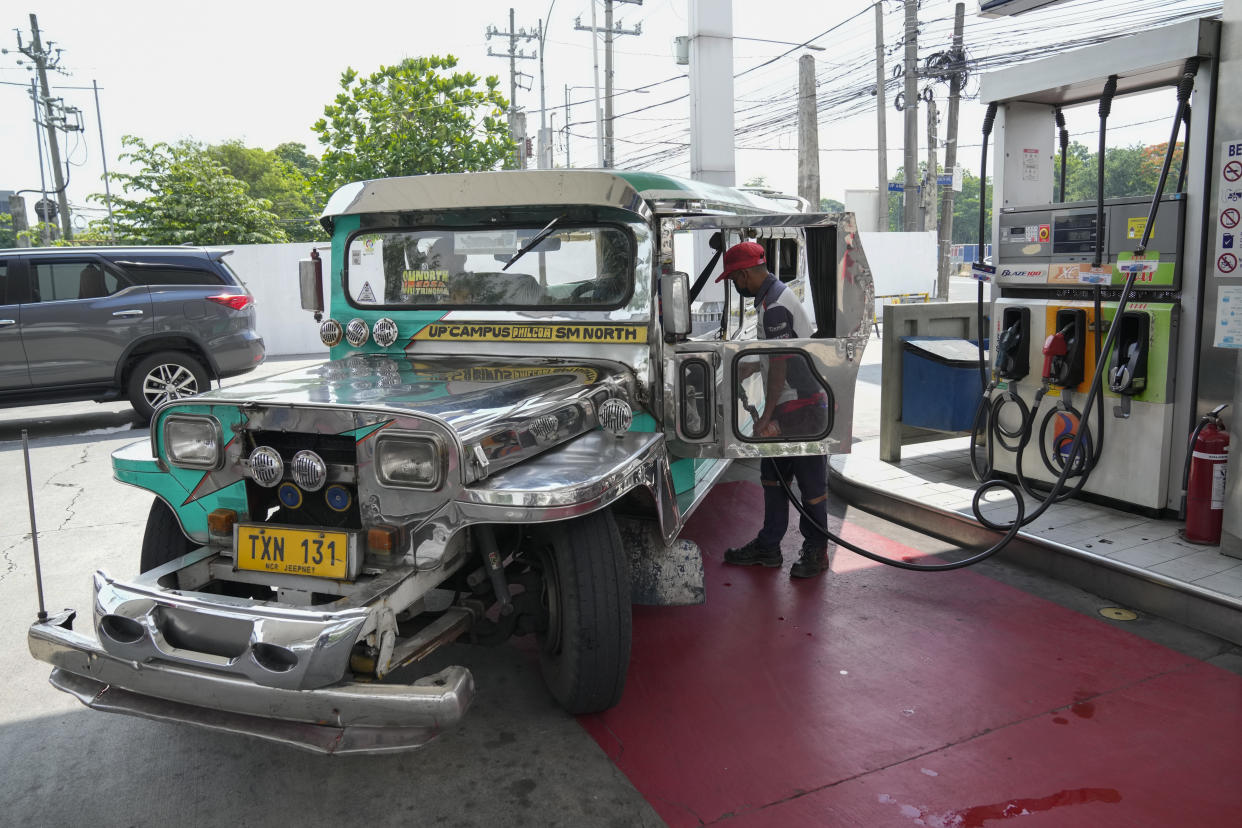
[505, 332]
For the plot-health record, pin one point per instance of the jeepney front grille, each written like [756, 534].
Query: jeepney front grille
[333, 505]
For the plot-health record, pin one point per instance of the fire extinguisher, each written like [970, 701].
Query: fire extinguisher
[1203, 479]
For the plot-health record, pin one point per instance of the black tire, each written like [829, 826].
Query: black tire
[166, 375]
[585, 652]
[163, 540]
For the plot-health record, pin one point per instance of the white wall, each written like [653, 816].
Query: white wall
[270, 271]
[864, 204]
[901, 262]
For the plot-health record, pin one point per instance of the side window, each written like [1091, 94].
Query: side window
[783, 396]
[144, 274]
[58, 281]
[4, 284]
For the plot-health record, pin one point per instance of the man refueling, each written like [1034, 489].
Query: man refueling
[794, 405]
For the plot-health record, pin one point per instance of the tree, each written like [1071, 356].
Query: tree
[965, 208]
[182, 195]
[831, 205]
[8, 235]
[1128, 171]
[409, 119]
[285, 185]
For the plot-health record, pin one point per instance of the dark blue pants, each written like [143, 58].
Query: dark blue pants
[811, 473]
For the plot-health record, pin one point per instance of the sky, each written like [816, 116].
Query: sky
[261, 72]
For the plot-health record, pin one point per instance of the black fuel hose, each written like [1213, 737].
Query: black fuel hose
[1184, 87]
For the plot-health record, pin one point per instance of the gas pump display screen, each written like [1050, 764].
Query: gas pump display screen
[1073, 234]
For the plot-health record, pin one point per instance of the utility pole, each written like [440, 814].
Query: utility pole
[931, 176]
[516, 126]
[568, 165]
[808, 133]
[103, 154]
[910, 100]
[45, 59]
[610, 31]
[881, 207]
[958, 63]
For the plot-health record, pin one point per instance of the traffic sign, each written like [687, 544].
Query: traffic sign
[895, 187]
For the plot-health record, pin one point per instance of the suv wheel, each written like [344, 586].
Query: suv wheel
[163, 376]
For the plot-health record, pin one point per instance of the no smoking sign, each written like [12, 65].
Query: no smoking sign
[1232, 171]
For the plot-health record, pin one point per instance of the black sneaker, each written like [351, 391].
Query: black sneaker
[752, 554]
[814, 561]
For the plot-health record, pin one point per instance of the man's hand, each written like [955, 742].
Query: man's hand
[764, 427]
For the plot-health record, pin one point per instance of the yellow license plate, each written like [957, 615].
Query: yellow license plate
[314, 552]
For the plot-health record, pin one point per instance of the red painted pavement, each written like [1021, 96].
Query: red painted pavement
[875, 696]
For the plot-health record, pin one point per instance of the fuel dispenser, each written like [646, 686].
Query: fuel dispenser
[1059, 272]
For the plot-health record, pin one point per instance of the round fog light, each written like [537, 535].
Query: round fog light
[615, 415]
[331, 332]
[309, 471]
[356, 332]
[384, 332]
[266, 467]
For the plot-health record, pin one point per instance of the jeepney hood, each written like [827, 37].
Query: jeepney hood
[470, 395]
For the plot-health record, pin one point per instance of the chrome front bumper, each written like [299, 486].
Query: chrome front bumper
[342, 718]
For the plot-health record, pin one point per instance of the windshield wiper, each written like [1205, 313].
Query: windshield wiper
[538, 237]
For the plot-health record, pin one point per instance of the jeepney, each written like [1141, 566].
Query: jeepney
[517, 418]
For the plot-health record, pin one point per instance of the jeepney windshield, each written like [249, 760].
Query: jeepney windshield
[584, 266]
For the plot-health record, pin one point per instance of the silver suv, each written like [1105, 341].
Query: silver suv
[147, 323]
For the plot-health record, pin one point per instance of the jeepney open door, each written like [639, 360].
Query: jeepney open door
[717, 381]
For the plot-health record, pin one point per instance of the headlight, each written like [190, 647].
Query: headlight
[192, 442]
[408, 462]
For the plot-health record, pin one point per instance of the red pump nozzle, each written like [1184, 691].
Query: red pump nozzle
[1054, 346]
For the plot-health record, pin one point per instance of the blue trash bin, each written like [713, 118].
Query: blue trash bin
[939, 382]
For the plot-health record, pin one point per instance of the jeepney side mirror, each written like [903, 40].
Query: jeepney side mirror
[310, 281]
[675, 305]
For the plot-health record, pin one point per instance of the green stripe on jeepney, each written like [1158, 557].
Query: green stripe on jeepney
[192, 493]
[409, 323]
[363, 432]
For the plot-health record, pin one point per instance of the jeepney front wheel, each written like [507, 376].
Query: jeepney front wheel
[163, 540]
[584, 651]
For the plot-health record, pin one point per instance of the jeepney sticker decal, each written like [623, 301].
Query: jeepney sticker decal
[502, 332]
[366, 294]
[424, 283]
[365, 432]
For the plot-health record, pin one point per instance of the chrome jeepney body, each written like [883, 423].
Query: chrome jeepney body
[500, 368]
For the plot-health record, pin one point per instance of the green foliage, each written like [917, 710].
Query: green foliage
[8, 236]
[410, 119]
[831, 205]
[268, 176]
[1128, 171]
[181, 194]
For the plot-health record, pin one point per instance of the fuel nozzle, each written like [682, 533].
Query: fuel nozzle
[1054, 346]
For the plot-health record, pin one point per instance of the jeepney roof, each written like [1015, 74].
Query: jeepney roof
[641, 193]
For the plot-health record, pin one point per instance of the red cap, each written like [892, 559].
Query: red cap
[741, 256]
